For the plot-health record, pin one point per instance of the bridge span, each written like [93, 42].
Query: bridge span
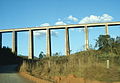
[48, 36]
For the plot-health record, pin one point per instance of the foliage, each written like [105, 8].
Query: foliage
[108, 44]
[57, 54]
[7, 57]
[5, 51]
[41, 55]
[89, 64]
[103, 41]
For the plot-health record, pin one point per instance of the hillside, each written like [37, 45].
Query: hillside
[100, 65]
[87, 64]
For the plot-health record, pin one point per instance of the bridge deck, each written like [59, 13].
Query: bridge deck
[63, 26]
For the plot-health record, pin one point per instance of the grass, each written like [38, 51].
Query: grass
[88, 64]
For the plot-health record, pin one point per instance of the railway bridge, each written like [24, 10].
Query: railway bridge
[48, 36]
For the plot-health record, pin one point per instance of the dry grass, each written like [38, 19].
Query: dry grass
[90, 65]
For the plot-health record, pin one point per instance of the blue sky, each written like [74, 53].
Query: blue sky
[32, 13]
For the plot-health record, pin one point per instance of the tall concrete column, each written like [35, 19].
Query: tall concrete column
[31, 46]
[48, 37]
[0, 40]
[106, 30]
[67, 44]
[14, 42]
[86, 38]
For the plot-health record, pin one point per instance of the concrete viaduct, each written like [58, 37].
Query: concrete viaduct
[48, 36]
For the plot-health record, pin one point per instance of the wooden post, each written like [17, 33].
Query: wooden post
[108, 64]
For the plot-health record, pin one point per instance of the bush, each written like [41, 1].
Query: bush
[7, 57]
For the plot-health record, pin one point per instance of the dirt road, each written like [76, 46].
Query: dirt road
[8, 74]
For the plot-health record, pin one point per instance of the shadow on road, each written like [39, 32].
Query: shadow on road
[9, 68]
[9, 74]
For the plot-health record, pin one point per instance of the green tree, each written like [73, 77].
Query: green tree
[41, 55]
[57, 54]
[103, 41]
[108, 44]
[7, 57]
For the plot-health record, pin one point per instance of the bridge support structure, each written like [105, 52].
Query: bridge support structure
[31, 46]
[14, 42]
[67, 43]
[86, 38]
[106, 30]
[48, 42]
[0, 40]
[48, 36]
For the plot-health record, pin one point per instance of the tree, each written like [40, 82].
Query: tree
[41, 55]
[117, 39]
[57, 54]
[7, 57]
[103, 41]
[108, 44]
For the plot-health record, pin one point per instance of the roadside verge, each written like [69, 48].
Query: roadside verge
[32, 78]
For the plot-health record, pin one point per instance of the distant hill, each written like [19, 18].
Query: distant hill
[26, 57]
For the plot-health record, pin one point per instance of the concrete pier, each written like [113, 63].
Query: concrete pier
[86, 38]
[14, 42]
[48, 42]
[48, 36]
[106, 30]
[0, 40]
[31, 50]
[67, 44]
